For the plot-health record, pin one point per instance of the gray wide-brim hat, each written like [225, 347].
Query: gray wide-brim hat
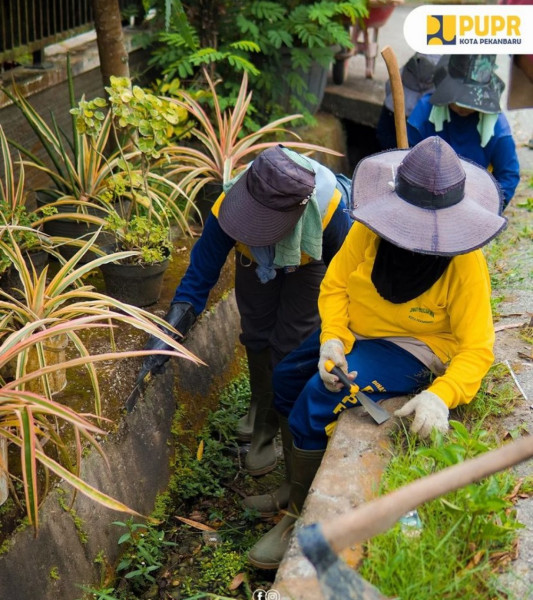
[427, 199]
[417, 80]
[265, 204]
[470, 81]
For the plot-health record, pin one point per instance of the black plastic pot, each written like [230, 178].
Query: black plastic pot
[139, 285]
[74, 229]
[11, 280]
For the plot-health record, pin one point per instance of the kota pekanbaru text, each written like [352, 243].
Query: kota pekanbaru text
[490, 41]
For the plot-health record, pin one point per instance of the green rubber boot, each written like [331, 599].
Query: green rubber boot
[268, 552]
[260, 379]
[261, 457]
[268, 505]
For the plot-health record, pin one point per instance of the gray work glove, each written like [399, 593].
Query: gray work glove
[332, 350]
[430, 412]
[182, 317]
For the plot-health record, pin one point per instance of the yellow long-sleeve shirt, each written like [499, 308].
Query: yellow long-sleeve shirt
[453, 317]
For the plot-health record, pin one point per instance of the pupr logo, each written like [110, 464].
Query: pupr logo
[441, 30]
[454, 29]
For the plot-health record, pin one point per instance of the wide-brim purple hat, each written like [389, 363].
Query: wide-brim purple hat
[427, 199]
[265, 204]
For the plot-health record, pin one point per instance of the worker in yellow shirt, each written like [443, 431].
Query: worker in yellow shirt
[404, 305]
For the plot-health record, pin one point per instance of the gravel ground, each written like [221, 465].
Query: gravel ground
[512, 348]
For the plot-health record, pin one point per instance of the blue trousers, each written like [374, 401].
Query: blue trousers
[383, 370]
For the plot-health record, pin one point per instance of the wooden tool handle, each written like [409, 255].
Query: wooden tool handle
[380, 514]
[398, 99]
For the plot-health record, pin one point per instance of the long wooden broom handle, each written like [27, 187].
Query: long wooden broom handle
[380, 514]
[398, 99]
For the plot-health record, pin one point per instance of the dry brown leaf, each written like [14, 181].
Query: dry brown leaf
[475, 560]
[516, 489]
[195, 524]
[197, 515]
[237, 580]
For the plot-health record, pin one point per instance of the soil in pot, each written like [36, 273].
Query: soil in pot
[139, 285]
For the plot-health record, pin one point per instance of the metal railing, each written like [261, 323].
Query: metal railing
[28, 26]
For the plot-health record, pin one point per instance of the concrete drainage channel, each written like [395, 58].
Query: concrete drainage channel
[58, 560]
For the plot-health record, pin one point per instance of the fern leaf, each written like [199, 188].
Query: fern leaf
[247, 27]
[272, 11]
[246, 46]
[206, 56]
[279, 38]
[241, 64]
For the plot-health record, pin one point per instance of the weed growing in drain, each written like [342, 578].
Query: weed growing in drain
[204, 471]
[101, 594]
[218, 567]
[145, 547]
[467, 535]
[200, 475]
[526, 333]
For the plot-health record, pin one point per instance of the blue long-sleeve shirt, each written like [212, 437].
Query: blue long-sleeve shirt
[212, 248]
[462, 135]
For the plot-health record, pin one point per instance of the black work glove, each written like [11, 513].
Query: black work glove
[182, 317]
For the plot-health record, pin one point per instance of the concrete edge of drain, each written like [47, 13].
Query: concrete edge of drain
[349, 475]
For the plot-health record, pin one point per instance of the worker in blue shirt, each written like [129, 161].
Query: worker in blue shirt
[465, 111]
[286, 216]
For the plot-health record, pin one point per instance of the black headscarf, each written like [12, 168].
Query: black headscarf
[400, 275]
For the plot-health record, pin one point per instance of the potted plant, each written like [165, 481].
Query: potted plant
[28, 418]
[64, 298]
[142, 124]
[47, 310]
[221, 150]
[78, 172]
[84, 172]
[137, 279]
[300, 39]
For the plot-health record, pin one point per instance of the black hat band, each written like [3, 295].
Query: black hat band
[424, 198]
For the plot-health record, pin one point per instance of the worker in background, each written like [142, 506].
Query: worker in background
[464, 110]
[417, 80]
